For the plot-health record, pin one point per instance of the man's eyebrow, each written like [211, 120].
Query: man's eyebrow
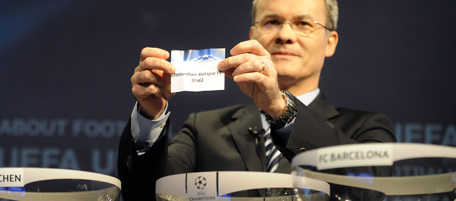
[303, 17]
[278, 16]
[271, 16]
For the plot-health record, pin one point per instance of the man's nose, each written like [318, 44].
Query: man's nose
[286, 34]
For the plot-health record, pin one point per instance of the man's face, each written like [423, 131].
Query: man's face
[298, 59]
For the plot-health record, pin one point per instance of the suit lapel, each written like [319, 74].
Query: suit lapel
[323, 108]
[242, 120]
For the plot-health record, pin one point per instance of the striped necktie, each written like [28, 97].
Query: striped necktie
[272, 153]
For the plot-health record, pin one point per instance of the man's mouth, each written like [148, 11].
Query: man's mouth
[283, 54]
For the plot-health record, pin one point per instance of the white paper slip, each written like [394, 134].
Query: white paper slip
[196, 70]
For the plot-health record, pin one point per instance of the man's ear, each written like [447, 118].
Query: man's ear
[331, 44]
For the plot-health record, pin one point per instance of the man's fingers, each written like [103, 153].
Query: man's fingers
[154, 52]
[234, 61]
[242, 53]
[155, 58]
[253, 77]
[258, 66]
[153, 63]
[250, 46]
[147, 77]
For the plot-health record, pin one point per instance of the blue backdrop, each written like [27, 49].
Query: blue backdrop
[65, 68]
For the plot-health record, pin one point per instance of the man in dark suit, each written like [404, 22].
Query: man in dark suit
[279, 68]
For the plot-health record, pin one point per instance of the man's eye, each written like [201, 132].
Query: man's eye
[302, 23]
[272, 23]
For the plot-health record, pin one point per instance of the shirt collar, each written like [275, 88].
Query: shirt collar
[308, 97]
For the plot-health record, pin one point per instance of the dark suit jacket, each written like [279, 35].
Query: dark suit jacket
[220, 140]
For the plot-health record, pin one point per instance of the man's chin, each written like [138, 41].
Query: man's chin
[286, 65]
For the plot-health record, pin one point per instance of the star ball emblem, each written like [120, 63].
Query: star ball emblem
[200, 182]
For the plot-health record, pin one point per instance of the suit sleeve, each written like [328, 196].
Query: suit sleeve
[138, 174]
[310, 131]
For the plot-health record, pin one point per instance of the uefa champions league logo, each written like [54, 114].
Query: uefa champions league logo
[200, 182]
[205, 58]
[201, 193]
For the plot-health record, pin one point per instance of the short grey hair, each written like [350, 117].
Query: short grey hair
[332, 13]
